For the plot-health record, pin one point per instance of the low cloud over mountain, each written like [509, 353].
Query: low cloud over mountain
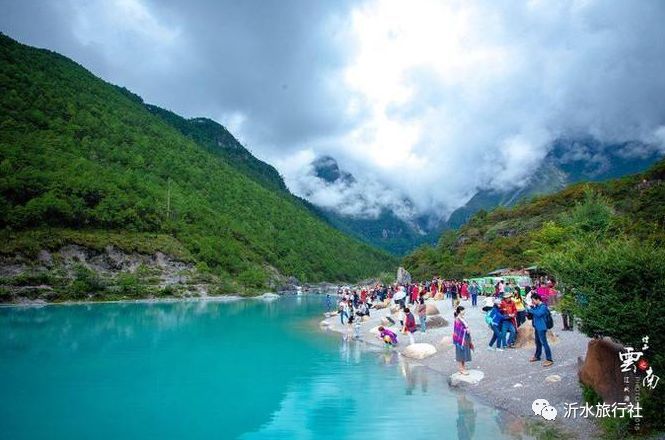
[427, 101]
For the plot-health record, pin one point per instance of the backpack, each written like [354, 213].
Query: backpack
[488, 318]
[549, 322]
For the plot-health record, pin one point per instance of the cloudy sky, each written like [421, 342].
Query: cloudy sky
[425, 99]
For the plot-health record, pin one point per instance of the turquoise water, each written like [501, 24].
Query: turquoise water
[246, 369]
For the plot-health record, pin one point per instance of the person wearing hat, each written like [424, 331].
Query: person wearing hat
[509, 325]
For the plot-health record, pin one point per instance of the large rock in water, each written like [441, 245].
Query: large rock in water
[403, 277]
[419, 350]
[601, 370]
[431, 309]
[526, 337]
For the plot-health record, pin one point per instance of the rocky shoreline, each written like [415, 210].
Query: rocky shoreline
[76, 273]
[507, 380]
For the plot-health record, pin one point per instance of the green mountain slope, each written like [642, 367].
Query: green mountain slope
[220, 141]
[516, 237]
[385, 232]
[569, 161]
[79, 154]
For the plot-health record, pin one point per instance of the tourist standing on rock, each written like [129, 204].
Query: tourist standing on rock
[462, 340]
[540, 314]
[509, 325]
[409, 324]
[422, 314]
[475, 291]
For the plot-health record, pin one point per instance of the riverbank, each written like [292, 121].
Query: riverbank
[510, 383]
[269, 296]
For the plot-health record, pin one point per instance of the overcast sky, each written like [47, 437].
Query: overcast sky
[429, 99]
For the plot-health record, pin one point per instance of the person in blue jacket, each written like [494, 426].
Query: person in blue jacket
[494, 319]
[539, 312]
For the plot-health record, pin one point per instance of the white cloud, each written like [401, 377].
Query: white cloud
[471, 94]
[363, 197]
[432, 99]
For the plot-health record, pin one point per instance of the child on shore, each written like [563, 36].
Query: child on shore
[387, 336]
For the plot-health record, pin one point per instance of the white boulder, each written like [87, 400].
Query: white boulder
[419, 350]
[474, 376]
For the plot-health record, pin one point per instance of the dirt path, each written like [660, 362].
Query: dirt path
[511, 382]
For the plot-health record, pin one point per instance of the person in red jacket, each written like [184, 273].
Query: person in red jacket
[414, 294]
[509, 324]
[409, 324]
[464, 290]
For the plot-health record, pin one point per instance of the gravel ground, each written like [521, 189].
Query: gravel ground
[503, 370]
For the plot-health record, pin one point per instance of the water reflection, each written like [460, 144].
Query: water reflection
[416, 377]
[431, 403]
[466, 417]
[217, 370]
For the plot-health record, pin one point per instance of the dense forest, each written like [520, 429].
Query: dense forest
[80, 155]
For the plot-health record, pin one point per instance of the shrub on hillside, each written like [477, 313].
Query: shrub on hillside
[618, 284]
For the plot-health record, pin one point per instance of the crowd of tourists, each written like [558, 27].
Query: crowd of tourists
[506, 310]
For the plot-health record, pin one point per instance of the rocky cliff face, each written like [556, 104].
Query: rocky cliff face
[77, 272]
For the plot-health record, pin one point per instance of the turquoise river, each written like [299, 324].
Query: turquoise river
[215, 370]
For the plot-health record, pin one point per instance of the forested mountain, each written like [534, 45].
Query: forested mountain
[632, 206]
[568, 162]
[220, 141]
[79, 154]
